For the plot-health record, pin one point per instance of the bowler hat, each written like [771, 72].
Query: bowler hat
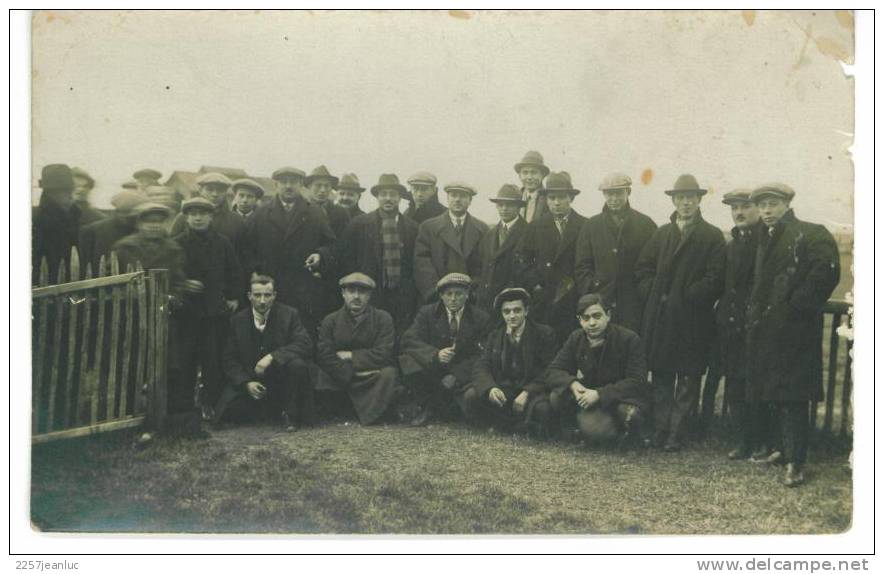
[321, 172]
[460, 186]
[737, 196]
[615, 181]
[147, 173]
[197, 203]
[351, 182]
[249, 184]
[686, 182]
[288, 171]
[512, 294]
[422, 177]
[125, 201]
[388, 181]
[459, 279]
[780, 190]
[532, 158]
[83, 174]
[148, 207]
[559, 181]
[360, 279]
[56, 176]
[213, 177]
[508, 193]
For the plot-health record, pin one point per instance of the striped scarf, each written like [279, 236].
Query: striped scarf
[392, 252]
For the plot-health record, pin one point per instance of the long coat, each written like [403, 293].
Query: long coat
[54, 232]
[98, 238]
[432, 208]
[431, 332]
[730, 313]
[278, 243]
[537, 347]
[224, 221]
[606, 257]
[439, 251]
[620, 374]
[681, 275]
[548, 260]
[501, 264]
[361, 249]
[797, 269]
[370, 378]
[209, 258]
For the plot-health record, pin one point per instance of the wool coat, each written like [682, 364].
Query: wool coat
[338, 217]
[439, 251]
[209, 258]
[730, 313]
[224, 221]
[54, 231]
[539, 210]
[98, 238]
[501, 265]
[537, 348]
[432, 208]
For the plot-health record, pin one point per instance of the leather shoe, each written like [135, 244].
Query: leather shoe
[794, 476]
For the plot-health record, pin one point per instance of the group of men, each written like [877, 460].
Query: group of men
[547, 321]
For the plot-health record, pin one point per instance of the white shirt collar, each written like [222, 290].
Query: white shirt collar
[517, 335]
[454, 219]
[459, 314]
[509, 225]
[260, 320]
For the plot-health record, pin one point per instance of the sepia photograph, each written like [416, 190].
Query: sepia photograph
[442, 272]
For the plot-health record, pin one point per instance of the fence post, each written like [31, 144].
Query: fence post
[833, 371]
[160, 317]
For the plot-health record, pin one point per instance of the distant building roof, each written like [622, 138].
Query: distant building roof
[184, 182]
[231, 172]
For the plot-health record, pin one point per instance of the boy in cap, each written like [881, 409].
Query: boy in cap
[54, 222]
[83, 186]
[440, 348]
[246, 195]
[97, 240]
[355, 352]
[349, 193]
[213, 187]
[423, 200]
[500, 265]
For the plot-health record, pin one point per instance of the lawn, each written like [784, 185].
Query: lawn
[451, 479]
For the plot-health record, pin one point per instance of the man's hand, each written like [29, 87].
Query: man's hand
[446, 355]
[232, 305]
[256, 390]
[588, 398]
[520, 401]
[577, 389]
[313, 261]
[263, 364]
[497, 397]
[345, 355]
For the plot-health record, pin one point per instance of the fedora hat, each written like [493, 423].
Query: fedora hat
[351, 182]
[388, 181]
[321, 172]
[559, 181]
[686, 182]
[508, 193]
[56, 176]
[532, 158]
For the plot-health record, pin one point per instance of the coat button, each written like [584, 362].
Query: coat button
[614, 250]
[731, 319]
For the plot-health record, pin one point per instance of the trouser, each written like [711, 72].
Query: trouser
[596, 424]
[480, 410]
[794, 426]
[429, 393]
[199, 347]
[288, 390]
[675, 401]
[751, 420]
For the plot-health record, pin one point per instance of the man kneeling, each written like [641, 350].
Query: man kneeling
[599, 376]
[508, 386]
[264, 361]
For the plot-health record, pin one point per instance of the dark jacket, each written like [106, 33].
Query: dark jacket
[730, 313]
[430, 332]
[681, 276]
[54, 232]
[432, 208]
[98, 238]
[537, 347]
[796, 271]
[209, 258]
[163, 253]
[354, 211]
[224, 221]
[606, 257]
[284, 337]
[541, 209]
[501, 265]
[89, 215]
[338, 217]
[619, 373]
[439, 251]
[371, 341]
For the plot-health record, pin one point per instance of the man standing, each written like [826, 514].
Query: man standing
[531, 171]
[796, 269]
[247, 193]
[97, 239]
[380, 244]
[680, 274]
[497, 251]
[147, 177]
[151, 246]
[264, 361]
[355, 353]
[319, 185]
[440, 348]
[448, 242]
[291, 240]
[607, 249]
[349, 193]
[54, 222]
[83, 186]
[213, 187]
[424, 201]
[548, 251]
[508, 385]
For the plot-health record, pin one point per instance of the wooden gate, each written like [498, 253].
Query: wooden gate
[98, 350]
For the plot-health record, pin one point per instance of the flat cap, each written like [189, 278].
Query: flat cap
[459, 279]
[82, 173]
[125, 201]
[737, 196]
[423, 177]
[197, 203]
[360, 279]
[289, 171]
[460, 186]
[149, 207]
[615, 181]
[780, 190]
[250, 184]
[56, 176]
[213, 177]
[147, 173]
[131, 184]
[512, 294]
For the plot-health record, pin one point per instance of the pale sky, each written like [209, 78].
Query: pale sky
[736, 99]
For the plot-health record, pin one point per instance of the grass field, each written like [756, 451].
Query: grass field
[342, 478]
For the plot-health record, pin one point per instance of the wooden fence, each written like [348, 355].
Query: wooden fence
[99, 349]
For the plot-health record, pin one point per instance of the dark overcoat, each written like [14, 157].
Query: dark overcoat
[89, 215]
[370, 378]
[620, 374]
[537, 347]
[730, 313]
[500, 263]
[681, 276]
[54, 231]
[361, 249]
[606, 257]
[797, 268]
[338, 217]
[541, 208]
[548, 260]
[439, 251]
[162, 253]
[98, 238]
[354, 211]
[209, 258]
[224, 221]
[432, 208]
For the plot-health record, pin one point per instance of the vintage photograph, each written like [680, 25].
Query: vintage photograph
[442, 272]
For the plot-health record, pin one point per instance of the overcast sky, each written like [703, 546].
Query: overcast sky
[736, 99]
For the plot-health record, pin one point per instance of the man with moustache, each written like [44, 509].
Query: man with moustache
[97, 239]
[448, 243]
[680, 274]
[213, 187]
[319, 185]
[83, 186]
[423, 203]
[380, 244]
[531, 171]
[607, 249]
[548, 251]
[500, 264]
[247, 193]
[796, 268]
[349, 193]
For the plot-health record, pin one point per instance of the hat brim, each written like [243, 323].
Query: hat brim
[573, 192]
[351, 188]
[311, 178]
[674, 191]
[507, 200]
[444, 286]
[770, 193]
[398, 187]
[735, 200]
[357, 284]
[462, 190]
[518, 167]
[511, 296]
[615, 188]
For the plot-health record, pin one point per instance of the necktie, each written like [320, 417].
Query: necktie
[560, 225]
[458, 226]
[453, 327]
[502, 232]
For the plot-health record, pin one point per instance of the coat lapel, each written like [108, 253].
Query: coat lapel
[511, 240]
[297, 217]
[570, 234]
[471, 235]
[448, 235]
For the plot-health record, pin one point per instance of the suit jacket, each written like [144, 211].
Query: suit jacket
[209, 258]
[606, 257]
[730, 313]
[98, 238]
[537, 346]
[284, 337]
[539, 211]
[430, 332]
[439, 251]
[501, 265]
